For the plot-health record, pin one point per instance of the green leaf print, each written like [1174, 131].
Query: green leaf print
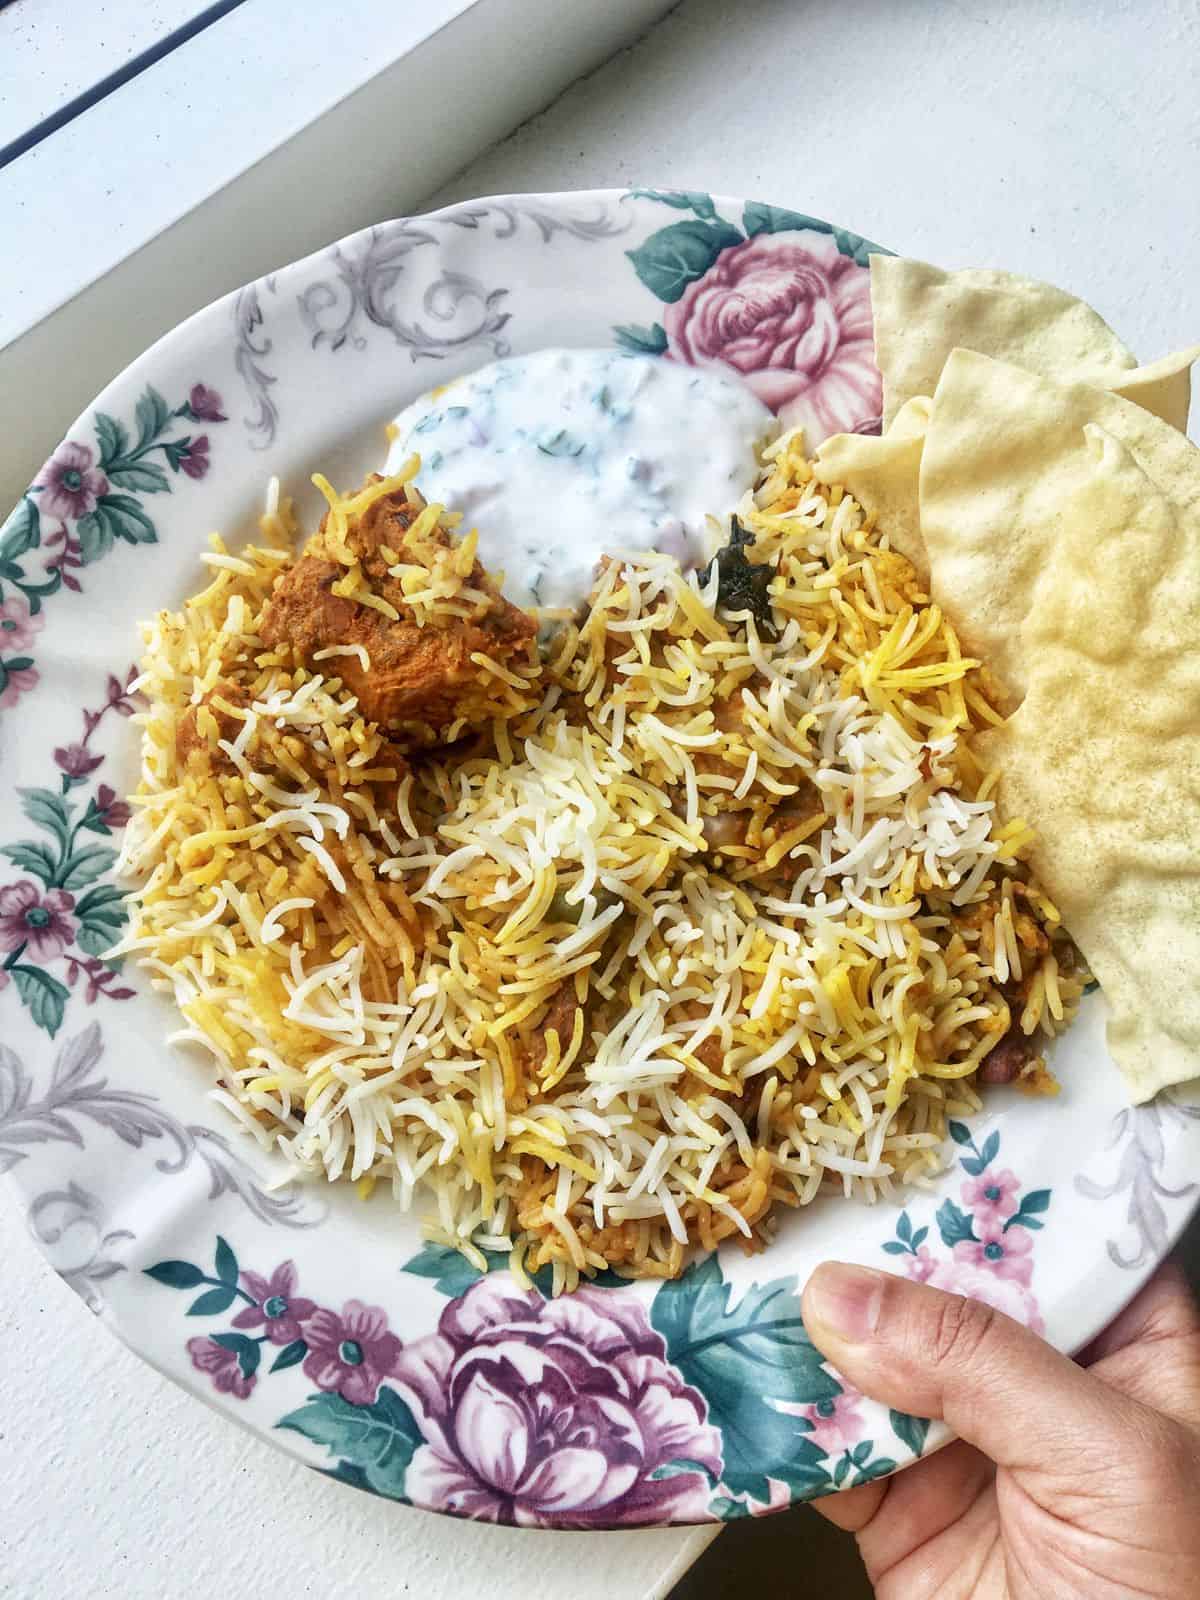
[651, 341]
[32, 857]
[450, 1270]
[761, 218]
[112, 439]
[743, 1358]
[22, 532]
[85, 866]
[248, 1351]
[44, 996]
[696, 200]
[911, 1431]
[48, 811]
[379, 1440]
[143, 475]
[176, 1274]
[675, 256]
[954, 1225]
[153, 413]
[95, 537]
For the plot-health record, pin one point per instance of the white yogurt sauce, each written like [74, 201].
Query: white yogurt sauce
[567, 455]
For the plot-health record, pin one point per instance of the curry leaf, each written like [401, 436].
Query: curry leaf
[377, 1440]
[674, 257]
[45, 996]
[742, 1358]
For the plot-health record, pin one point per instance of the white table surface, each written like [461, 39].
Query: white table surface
[1057, 137]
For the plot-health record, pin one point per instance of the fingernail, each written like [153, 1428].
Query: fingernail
[847, 1300]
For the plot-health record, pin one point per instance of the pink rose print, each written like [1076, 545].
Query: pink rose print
[837, 1424]
[41, 922]
[351, 1353]
[791, 316]
[69, 483]
[538, 1411]
[17, 681]
[1008, 1255]
[279, 1312]
[222, 1366]
[18, 626]
[1005, 1294]
[992, 1196]
[921, 1266]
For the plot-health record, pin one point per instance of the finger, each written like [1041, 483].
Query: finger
[1151, 1352]
[1164, 1309]
[925, 1501]
[852, 1509]
[996, 1384]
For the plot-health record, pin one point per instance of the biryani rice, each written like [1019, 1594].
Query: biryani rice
[762, 881]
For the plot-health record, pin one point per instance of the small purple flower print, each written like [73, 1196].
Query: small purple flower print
[279, 1312]
[837, 1424]
[222, 1366]
[18, 625]
[204, 404]
[41, 922]
[992, 1196]
[921, 1266]
[76, 760]
[1008, 1255]
[70, 485]
[18, 681]
[116, 813]
[537, 1411]
[351, 1353]
[193, 457]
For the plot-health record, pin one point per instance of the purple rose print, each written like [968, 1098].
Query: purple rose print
[76, 760]
[42, 922]
[538, 1411]
[204, 404]
[70, 485]
[222, 1366]
[792, 316]
[193, 456]
[351, 1353]
[18, 626]
[280, 1312]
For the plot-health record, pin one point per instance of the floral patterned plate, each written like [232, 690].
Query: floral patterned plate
[320, 1321]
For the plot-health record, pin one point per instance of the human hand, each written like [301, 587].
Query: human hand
[1069, 1480]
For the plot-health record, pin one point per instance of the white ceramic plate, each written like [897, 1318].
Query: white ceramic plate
[313, 1318]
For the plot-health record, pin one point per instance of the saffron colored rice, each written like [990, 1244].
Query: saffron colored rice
[762, 879]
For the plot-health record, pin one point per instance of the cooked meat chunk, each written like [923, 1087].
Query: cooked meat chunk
[560, 1019]
[421, 678]
[196, 735]
[1006, 1059]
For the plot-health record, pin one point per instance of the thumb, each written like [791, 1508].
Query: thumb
[996, 1384]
